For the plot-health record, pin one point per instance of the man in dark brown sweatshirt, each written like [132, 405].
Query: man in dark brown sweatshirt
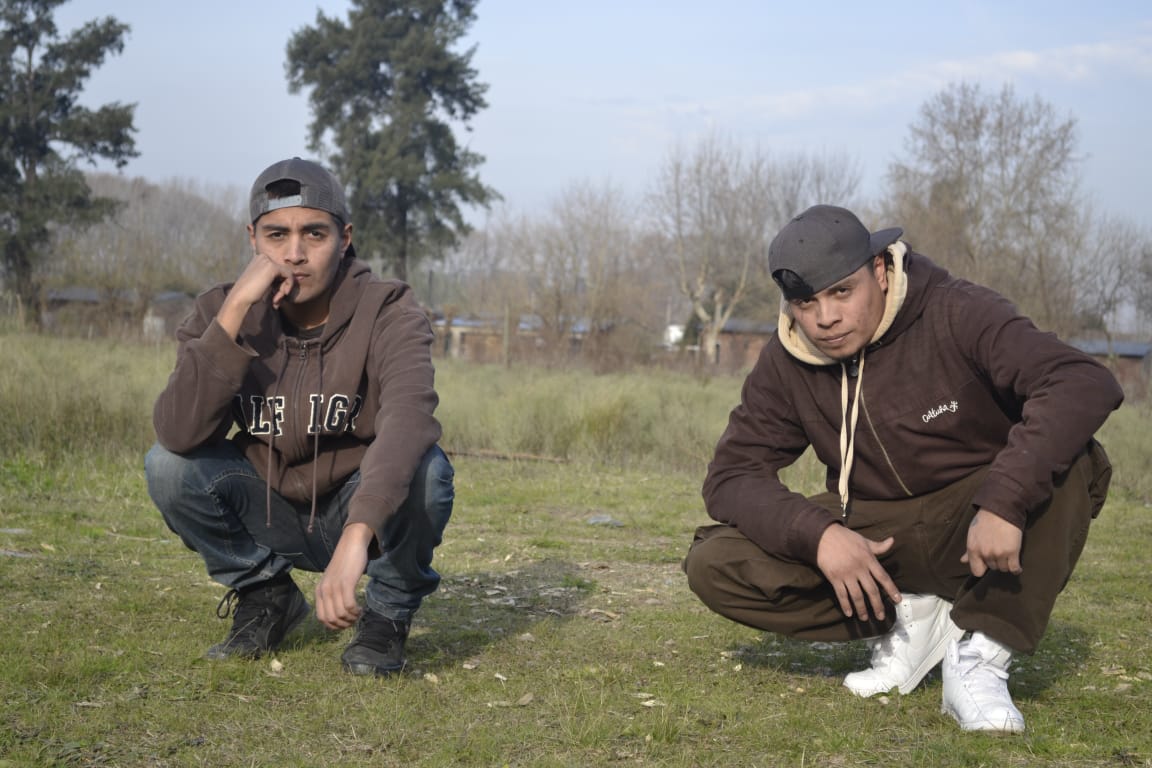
[962, 473]
[297, 430]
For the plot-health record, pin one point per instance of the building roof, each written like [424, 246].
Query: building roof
[1100, 348]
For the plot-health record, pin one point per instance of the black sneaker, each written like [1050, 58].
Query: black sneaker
[262, 616]
[378, 647]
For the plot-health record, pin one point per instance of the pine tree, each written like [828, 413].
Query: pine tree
[384, 89]
[44, 133]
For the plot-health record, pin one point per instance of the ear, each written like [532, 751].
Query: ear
[345, 239]
[880, 270]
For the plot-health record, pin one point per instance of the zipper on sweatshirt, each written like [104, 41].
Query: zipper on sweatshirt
[303, 422]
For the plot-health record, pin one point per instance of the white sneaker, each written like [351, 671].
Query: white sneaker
[901, 658]
[976, 686]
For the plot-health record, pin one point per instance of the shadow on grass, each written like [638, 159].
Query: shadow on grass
[1062, 652]
[470, 612]
[473, 611]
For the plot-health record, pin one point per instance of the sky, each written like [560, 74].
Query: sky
[602, 91]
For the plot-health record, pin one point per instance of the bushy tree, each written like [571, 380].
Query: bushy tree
[45, 133]
[385, 87]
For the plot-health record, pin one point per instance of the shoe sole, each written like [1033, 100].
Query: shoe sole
[358, 668]
[985, 726]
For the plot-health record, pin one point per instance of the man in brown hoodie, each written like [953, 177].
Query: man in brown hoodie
[297, 430]
[962, 473]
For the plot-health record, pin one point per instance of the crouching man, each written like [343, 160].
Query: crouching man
[962, 473]
[297, 431]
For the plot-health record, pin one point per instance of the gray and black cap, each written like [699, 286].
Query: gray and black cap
[821, 246]
[319, 189]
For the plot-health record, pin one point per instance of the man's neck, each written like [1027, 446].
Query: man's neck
[305, 316]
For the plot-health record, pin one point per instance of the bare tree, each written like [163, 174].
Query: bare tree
[1109, 281]
[588, 289]
[176, 237]
[716, 209]
[989, 188]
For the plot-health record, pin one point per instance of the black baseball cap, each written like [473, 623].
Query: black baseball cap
[821, 246]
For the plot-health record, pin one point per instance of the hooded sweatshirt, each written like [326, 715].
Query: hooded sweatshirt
[953, 381]
[309, 413]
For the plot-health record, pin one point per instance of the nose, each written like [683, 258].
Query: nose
[827, 314]
[295, 254]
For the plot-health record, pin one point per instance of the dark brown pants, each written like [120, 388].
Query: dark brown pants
[737, 579]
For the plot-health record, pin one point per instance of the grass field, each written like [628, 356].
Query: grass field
[563, 634]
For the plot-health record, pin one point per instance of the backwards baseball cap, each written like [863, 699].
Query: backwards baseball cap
[821, 246]
[318, 189]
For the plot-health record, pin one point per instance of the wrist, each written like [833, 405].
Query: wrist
[357, 534]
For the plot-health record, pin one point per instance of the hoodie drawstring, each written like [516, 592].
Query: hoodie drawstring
[848, 433]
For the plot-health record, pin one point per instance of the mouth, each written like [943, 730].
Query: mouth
[834, 341]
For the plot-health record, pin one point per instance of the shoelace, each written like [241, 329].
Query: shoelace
[229, 603]
[971, 668]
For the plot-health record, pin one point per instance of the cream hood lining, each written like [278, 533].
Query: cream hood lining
[801, 347]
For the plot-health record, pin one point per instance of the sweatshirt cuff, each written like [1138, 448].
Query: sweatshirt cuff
[804, 538]
[228, 357]
[996, 495]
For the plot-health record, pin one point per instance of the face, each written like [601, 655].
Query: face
[841, 319]
[310, 243]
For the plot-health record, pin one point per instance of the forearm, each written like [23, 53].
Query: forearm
[195, 406]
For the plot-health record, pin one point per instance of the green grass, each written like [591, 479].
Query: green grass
[554, 641]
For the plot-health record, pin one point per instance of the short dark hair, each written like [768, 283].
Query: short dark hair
[283, 188]
[792, 286]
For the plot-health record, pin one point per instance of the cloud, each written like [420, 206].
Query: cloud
[1070, 64]
[1076, 63]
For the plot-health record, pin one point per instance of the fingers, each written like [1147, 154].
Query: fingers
[283, 289]
[844, 599]
[336, 609]
[976, 565]
[881, 547]
[855, 597]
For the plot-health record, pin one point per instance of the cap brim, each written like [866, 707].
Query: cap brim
[884, 238]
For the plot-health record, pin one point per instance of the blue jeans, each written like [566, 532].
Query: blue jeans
[215, 501]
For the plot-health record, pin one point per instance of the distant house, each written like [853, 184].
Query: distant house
[486, 339]
[1130, 362]
[93, 312]
[164, 314]
[739, 344]
[84, 310]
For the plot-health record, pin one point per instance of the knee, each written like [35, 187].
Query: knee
[437, 477]
[164, 472]
[700, 568]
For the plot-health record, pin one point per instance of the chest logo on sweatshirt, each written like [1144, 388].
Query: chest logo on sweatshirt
[337, 414]
[941, 409]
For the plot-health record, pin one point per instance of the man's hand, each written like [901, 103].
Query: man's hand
[260, 278]
[849, 562]
[993, 545]
[336, 604]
